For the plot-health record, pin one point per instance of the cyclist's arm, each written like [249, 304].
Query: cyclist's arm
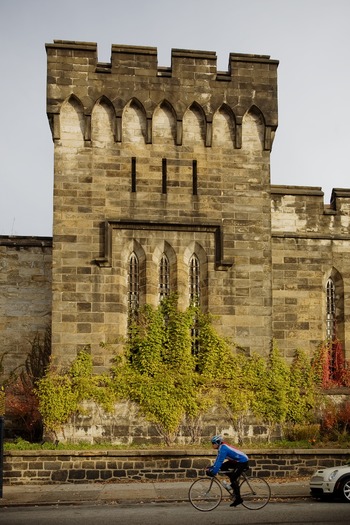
[219, 460]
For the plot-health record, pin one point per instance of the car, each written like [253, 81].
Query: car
[333, 481]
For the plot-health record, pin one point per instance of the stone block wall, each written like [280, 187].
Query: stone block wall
[310, 243]
[25, 295]
[38, 467]
[156, 161]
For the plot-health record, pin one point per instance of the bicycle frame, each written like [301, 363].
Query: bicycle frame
[206, 493]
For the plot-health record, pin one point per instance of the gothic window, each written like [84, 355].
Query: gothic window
[164, 277]
[331, 306]
[134, 284]
[194, 286]
[194, 293]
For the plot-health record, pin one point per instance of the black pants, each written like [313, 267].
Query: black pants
[237, 469]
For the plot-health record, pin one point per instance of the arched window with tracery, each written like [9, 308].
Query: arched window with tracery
[194, 293]
[331, 310]
[134, 284]
[194, 280]
[164, 277]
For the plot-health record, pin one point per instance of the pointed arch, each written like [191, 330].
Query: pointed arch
[253, 130]
[133, 262]
[194, 280]
[134, 124]
[194, 125]
[102, 122]
[334, 305]
[224, 124]
[165, 259]
[133, 284]
[164, 124]
[164, 277]
[196, 262]
[72, 121]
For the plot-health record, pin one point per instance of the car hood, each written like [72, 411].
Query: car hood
[341, 469]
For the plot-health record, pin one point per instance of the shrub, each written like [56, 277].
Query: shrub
[60, 395]
[22, 407]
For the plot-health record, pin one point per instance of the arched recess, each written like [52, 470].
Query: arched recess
[102, 123]
[195, 250]
[334, 306]
[164, 124]
[134, 127]
[194, 125]
[253, 130]
[165, 263]
[224, 127]
[72, 122]
[133, 253]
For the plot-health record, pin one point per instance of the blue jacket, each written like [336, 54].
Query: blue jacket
[226, 451]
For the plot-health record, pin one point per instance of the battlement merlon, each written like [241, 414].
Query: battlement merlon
[73, 68]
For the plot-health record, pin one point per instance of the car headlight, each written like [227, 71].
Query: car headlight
[332, 475]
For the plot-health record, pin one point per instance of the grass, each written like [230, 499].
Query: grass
[21, 444]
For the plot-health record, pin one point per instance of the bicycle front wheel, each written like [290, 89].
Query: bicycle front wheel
[205, 494]
[255, 493]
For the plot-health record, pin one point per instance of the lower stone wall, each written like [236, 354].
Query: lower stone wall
[25, 298]
[47, 466]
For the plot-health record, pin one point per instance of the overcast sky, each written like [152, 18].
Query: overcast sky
[310, 38]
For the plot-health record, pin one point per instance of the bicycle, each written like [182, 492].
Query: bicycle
[206, 493]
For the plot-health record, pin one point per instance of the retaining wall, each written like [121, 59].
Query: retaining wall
[47, 466]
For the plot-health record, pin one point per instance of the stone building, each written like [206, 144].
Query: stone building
[161, 184]
[25, 297]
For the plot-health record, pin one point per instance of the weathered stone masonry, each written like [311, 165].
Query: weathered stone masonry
[25, 295]
[176, 161]
[35, 467]
[129, 140]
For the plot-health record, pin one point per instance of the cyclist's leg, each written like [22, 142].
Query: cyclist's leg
[228, 467]
[234, 476]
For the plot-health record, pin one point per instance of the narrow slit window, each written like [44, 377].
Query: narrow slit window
[133, 174]
[164, 277]
[194, 280]
[194, 293]
[164, 175]
[134, 285]
[331, 306]
[194, 178]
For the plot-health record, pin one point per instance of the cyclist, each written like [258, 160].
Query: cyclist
[236, 461]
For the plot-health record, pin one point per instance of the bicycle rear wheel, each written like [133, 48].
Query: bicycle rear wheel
[255, 493]
[205, 494]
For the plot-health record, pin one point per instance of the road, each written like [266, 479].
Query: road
[295, 513]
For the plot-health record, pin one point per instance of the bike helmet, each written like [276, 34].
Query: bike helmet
[217, 440]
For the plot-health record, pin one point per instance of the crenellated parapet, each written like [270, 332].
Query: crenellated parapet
[299, 211]
[249, 84]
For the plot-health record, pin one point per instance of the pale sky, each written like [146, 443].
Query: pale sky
[310, 38]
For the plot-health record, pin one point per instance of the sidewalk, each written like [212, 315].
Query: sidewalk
[119, 493]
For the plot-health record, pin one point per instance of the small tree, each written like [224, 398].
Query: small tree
[271, 400]
[331, 370]
[21, 402]
[61, 395]
[241, 388]
[302, 391]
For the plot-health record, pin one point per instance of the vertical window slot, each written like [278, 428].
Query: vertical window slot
[194, 178]
[164, 176]
[133, 174]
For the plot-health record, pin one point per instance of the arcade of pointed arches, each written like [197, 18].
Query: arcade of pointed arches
[164, 286]
[103, 124]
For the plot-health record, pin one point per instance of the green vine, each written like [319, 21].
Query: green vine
[175, 367]
[62, 395]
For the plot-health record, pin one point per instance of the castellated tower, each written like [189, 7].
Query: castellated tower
[161, 184]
